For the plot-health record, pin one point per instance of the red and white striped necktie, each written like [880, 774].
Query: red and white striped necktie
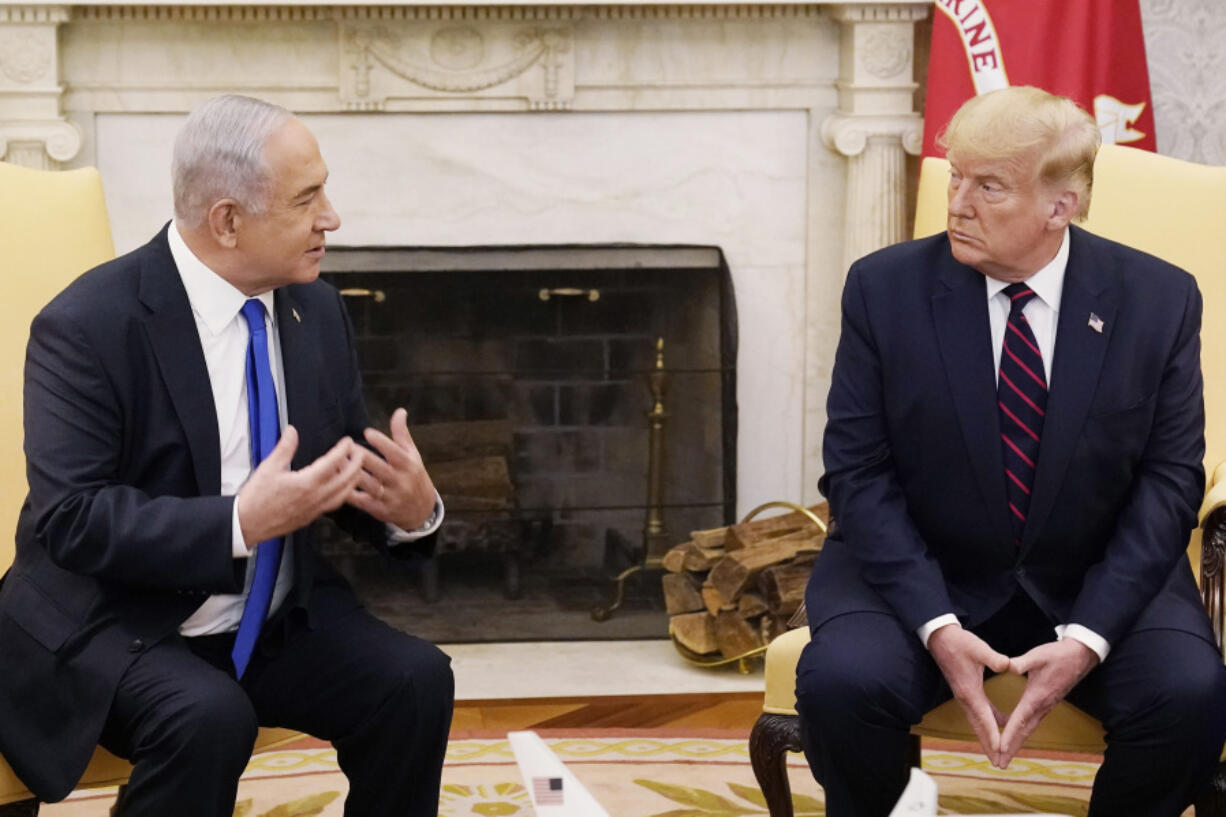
[1021, 394]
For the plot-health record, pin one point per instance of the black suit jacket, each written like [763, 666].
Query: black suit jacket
[123, 534]
[914, 468]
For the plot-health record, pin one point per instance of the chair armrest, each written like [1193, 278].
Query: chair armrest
[1213, 550]
[782, 656]
[1215, 494]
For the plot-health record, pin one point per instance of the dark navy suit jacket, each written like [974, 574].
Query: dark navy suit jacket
[123, 534]
[912, 449]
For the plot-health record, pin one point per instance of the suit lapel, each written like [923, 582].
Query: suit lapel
[300, 363]
[960, 312]
[176, 346]
[1078, 359]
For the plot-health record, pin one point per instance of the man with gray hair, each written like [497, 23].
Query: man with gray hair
[191, 408]
[986, 523]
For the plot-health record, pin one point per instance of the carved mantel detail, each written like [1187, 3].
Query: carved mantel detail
[850, 134]
[397, 59]
[875, 125]
[32, 132]
[59, 139]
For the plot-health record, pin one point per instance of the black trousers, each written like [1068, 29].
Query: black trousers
[864, 680]
[383, 698]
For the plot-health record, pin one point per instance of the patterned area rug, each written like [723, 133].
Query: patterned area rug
[633, 773]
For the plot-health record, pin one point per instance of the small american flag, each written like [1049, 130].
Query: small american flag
[1096, 323]
[547, 791]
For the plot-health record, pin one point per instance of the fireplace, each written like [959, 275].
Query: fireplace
[525, 372]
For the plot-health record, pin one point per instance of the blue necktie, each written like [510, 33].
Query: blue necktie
[265, 431]
[1022, 397]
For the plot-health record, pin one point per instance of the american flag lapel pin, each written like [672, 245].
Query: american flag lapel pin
[1096, 323]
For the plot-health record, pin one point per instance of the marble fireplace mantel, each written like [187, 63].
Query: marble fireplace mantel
[778, 132]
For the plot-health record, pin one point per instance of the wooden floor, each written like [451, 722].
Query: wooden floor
[736, 710]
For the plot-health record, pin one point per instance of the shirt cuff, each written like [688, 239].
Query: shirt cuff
[399, 536]
[1086, 636]
[926, 630]
[237, 546]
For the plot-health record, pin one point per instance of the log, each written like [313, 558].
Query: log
[703, 559]
[783, 587]
[479, 477]
[748, 537]
[455, 502]
[711, 538]
[681, 593]
[698, 559]
[750, 605]
[711, 598]
[695, 632]
[748, 534]
[689, 556]
[734, 635]
[731, 574]
[447, 442]
[674, 559]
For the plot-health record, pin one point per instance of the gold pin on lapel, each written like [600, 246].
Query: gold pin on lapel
[294, 312]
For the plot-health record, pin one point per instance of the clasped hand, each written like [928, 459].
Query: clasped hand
[391, 485]
[1051, 671]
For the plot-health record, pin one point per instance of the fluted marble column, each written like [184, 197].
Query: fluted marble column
[32, 131]
[875, 125]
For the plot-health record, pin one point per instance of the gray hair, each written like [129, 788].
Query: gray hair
[219, 154]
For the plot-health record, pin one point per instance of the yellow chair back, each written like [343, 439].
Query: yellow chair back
[55, 227]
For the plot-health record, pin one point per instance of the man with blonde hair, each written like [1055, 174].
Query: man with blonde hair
[1013, 463]
[191, 408]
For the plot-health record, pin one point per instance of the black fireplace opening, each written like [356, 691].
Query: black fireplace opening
[528, 374]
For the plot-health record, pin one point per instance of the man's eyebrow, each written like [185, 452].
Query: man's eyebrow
[988, 177]
[310, 189]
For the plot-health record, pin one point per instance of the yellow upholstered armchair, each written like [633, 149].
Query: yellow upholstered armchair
[1177, 211]
[55, 227]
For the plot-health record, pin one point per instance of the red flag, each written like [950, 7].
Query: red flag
[1092, 51]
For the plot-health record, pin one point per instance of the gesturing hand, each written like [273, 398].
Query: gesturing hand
[275, 500]
[962, 656]
[1051, 670]
[394, 488]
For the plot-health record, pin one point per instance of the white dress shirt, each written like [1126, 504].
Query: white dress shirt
[216, 307]
[1041, 313]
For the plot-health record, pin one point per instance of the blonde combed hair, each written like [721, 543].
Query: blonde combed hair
[1011, 121]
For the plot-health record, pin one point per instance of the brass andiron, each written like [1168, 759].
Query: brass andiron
[655, 533]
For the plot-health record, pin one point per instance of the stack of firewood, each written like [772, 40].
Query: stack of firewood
[730, 590]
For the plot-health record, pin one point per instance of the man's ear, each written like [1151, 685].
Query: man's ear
[1063, 209]
[224, 221]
